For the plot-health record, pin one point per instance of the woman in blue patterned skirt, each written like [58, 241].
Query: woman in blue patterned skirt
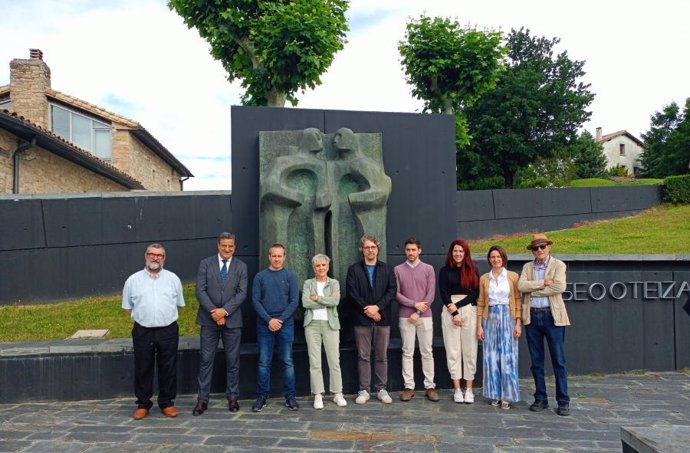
[499, 325]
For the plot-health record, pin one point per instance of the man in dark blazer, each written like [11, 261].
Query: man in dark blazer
[221, 287]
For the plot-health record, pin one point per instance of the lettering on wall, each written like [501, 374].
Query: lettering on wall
[644, 290]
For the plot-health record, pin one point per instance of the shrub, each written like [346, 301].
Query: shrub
[618, 170]
[555, 171]
[677, 189]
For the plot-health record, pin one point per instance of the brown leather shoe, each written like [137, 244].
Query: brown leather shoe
[200, 408]
[233, 405]
[169, 411]
[140, 413]
[407, 395]
[432, 395]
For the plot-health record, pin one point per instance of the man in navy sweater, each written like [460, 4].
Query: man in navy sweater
[275, 296]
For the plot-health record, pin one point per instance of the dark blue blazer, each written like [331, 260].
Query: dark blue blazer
[211, 294]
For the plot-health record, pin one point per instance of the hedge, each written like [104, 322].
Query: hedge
[677, 189]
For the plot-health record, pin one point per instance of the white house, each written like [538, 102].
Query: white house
[622, 148]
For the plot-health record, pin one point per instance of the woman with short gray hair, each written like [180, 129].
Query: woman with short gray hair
[320, 298]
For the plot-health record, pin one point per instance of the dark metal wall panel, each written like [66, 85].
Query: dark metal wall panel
[419, 157]
[474, 205]
[541, 202]
[612, 335]
[629, 198]
[21, 224]
[681, 316]
[68, 272]
[111, 220]
[247, 122]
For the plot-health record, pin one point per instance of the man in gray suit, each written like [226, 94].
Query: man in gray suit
[221, 287]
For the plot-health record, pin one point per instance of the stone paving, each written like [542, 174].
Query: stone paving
[600, 406]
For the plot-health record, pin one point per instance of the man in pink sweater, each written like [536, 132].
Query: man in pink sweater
[415, 294]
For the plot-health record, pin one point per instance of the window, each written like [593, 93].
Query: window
[621, 149]
[5, 104]
[87, 133]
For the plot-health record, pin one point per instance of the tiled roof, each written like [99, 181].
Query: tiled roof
[25, 129]
[94, 109]
[608, 137]
[137, 129]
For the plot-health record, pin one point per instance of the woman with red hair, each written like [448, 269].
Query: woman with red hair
[458, 283]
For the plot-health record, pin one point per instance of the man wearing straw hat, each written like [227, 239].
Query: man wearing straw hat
[542, 283]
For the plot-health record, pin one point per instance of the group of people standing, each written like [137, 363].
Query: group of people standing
[491, 308]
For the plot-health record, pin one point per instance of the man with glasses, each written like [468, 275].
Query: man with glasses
[151, 297]
[542, 283]
[371, 288]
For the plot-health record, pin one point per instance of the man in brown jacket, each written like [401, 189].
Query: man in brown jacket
[542, 283]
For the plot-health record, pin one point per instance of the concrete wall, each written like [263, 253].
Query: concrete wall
[484, 213]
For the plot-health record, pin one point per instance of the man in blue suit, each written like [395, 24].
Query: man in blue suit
[221, 287]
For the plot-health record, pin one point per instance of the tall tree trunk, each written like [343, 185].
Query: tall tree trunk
[276, 99]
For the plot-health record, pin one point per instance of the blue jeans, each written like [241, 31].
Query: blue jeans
[267, 341]
[540, 327]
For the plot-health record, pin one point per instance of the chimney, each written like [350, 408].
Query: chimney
[598, 136]
[29, 80]
[36, 54]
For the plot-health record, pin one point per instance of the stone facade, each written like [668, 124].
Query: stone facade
[41, 171]
[138, 161]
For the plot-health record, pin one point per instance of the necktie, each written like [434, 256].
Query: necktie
[224, 273]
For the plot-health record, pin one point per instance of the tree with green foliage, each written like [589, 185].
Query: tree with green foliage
[450, 66]
[275, 47]
[535, 110]
[667, 143]
[588, 157]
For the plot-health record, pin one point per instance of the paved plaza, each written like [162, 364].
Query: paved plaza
[600, 406]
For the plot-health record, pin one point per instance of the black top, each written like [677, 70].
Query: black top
[360, 293]
[449, 283]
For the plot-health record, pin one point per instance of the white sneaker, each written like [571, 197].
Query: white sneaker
[457, 396]
[362, 397]
[339, 399]
[318, 402]
[469, 396]
[384, 397]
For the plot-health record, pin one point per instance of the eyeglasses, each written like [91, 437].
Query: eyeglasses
[370, 247]
[155, 255]
[539, 247]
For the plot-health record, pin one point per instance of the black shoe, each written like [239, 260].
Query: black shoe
[539, 405]
[563, 409]
[233, 405]
[259, 404]
[291, 403]
[200, 408]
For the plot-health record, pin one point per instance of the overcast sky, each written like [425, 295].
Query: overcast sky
[136, 58]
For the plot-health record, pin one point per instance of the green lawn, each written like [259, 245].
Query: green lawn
[605, 182]
[665, 230]
[59, 321]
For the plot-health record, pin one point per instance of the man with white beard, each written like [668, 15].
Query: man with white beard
[151, 297]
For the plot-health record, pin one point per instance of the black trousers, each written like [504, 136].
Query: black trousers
[155, 346]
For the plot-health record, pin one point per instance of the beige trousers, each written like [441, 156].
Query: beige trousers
[461, 343]
[423, 330]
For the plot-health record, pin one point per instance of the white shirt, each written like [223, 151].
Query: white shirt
[320, 314]
[499, 288]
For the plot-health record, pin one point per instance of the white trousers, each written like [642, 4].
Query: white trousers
[423, 330]
[461, 343]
